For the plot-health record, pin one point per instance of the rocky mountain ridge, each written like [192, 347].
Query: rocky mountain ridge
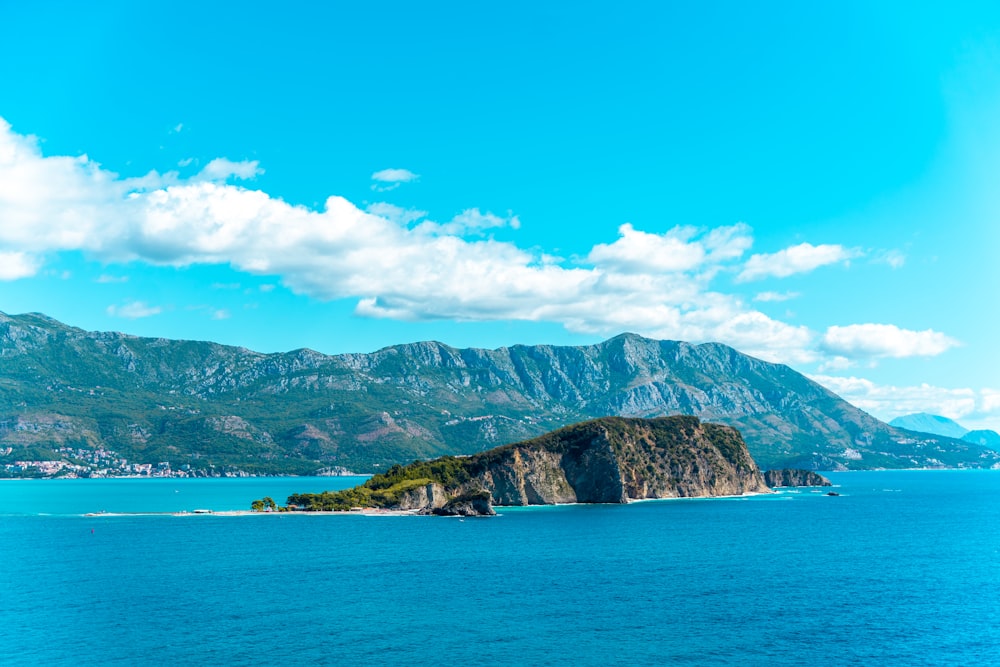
[99, 402]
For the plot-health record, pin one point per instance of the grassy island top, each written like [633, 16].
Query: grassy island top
[386, 489]
[678, 440]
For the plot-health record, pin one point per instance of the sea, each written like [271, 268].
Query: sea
[900, 568]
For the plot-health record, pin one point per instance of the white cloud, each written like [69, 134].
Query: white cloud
[397, 214]
[16, 265]
[677, 250]
[394, 176]
[654, 284]
[726, 243]
[884, 340]
[973, 408]
[390, 179]
[221, 169]
[776, 296]
[133, 310]
[888, 401]
[221, 314]
[991, 400]
[641, 252]
[469, 221]
[802, 258]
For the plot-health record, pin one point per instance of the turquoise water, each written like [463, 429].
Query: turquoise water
[80, 496]
[902, 569]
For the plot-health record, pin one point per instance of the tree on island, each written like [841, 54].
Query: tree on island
[266, 504]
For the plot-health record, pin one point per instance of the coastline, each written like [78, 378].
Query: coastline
[364, 512]
[387, 512]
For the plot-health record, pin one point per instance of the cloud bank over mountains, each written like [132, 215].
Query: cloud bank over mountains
[398, 264]
[975, 408]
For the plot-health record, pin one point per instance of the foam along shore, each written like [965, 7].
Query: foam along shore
[375, 511]
[368, 511]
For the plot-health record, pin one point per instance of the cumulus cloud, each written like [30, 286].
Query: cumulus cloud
[390, 179]
[641, 252]
[889, 401]
[802, 258]
[884, 340]
[470, 221]
[974, 408]
[221, 169]
[727, 243]
[15, 265]
[397, 214]
[133, 310]
[394, 176]
[393, 262]
[991, 400]
[677, 250]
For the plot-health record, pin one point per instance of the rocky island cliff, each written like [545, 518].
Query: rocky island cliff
[607, 460]
[794, 477]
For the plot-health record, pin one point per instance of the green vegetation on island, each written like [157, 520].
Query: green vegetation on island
[608, 460]
[387, 489]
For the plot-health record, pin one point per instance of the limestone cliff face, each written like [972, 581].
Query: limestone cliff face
[615, 460]
[429, 496]
[478, 503]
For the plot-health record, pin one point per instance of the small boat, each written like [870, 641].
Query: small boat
[833, 493]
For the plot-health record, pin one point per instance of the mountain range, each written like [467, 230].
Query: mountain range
[105, 402]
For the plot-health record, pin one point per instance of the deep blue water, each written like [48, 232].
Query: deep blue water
[902, 569]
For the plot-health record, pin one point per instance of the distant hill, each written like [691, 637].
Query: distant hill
[926, 423]
[983, 438]
[104, 403]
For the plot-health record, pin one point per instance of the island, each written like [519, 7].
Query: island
[606, 460]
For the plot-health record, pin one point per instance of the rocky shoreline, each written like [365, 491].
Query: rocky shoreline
[608, 460]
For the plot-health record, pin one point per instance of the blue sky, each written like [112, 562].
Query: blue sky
[816, 186]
